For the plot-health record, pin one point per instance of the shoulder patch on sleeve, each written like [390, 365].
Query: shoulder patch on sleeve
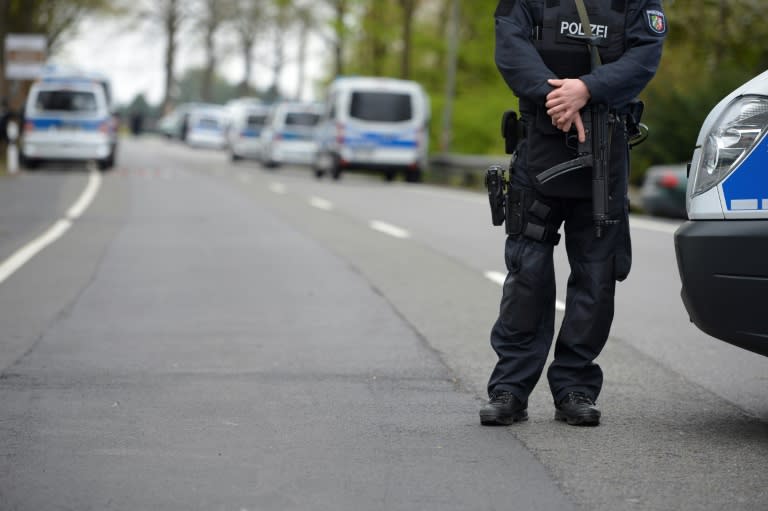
[504, 8]
[657, 22]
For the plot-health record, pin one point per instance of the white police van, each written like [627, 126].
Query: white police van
[67, 116]
[288, 136]
[722, 251]
[206, 127]
[374, 123]
[247, 119]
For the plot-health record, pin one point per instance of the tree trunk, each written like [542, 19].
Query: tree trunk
[341, 10]
[248, 71]
[408, 7]
[210, 65]
[303, 37]
[171, 24]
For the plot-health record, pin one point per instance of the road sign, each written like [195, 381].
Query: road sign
[25, 56]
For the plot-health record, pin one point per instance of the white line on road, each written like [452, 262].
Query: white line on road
[244, 178]
[389, 229]
[320, 203]
[56, 231]
[278, 188]
[499, 278]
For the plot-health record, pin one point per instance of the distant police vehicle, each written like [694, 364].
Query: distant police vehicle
[247, 119]
[374, 123]
[68, 116]
[723, 249]
[289, 134]
[206, 127]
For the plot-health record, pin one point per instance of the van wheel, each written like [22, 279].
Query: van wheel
[108, 162]
[389, 175]
[413, 176]
[28, 163]
[236, 157]
[336, 169]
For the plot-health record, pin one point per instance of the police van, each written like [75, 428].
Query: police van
[247, 119]
[288, 136]
[206, 127]
[722, 251]
[374, 123]
[67, 116]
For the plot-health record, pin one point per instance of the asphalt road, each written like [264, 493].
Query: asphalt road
[213, 336]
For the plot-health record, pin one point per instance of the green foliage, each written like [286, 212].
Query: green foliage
[190, 86]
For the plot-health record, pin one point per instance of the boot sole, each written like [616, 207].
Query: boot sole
[505, 420]
[577, 420]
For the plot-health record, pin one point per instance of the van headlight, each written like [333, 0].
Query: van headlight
[739, 128]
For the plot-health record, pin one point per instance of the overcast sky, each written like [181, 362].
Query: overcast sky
[133, 59]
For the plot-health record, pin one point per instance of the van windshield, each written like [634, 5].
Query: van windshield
[208, 123]
[256, 121]
[66, 101]
[301, 119]
[381, 107]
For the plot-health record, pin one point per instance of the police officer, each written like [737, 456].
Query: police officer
[550, 72]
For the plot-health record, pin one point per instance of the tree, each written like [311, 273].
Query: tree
[305, 18]
[212, 15]
[248, 22]
[408, 9]
[169, 16]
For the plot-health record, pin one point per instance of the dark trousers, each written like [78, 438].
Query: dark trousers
[523, 333]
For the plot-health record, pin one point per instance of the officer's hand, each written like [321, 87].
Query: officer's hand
[564, 102]
[580, 129]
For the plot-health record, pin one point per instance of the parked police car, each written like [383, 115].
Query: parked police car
[722, 252]
[67, 116]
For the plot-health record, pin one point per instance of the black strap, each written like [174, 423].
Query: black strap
[504, 8]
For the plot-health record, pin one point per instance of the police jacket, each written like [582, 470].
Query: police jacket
[533, 46]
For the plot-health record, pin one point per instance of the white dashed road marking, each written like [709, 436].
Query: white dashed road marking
[278, 188]
[320, 203]
[244, 178]
[56, 231]
[499, 278]
[391, 230]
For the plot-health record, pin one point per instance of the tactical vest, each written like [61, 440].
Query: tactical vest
[554, 21]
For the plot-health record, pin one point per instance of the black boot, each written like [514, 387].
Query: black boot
[502, 409]
[577, 409]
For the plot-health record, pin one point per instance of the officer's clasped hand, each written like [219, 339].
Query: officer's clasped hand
[564, 104]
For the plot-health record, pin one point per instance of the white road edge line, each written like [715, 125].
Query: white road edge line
[320, 203]
[392, 230]
[499, 278]
[278, 188]
[56, 231]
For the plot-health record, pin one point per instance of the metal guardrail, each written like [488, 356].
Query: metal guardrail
[462, 169]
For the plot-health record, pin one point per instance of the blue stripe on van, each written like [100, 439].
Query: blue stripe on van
[44, 123]
[293, 135]
[250, 133]
[405, 140]
[748, 184]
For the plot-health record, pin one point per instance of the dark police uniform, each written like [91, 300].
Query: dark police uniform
[532, 46]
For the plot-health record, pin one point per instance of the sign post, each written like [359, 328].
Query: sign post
[12, 156]
[25, 56]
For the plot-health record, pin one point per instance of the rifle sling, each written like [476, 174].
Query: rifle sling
[586, 26]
